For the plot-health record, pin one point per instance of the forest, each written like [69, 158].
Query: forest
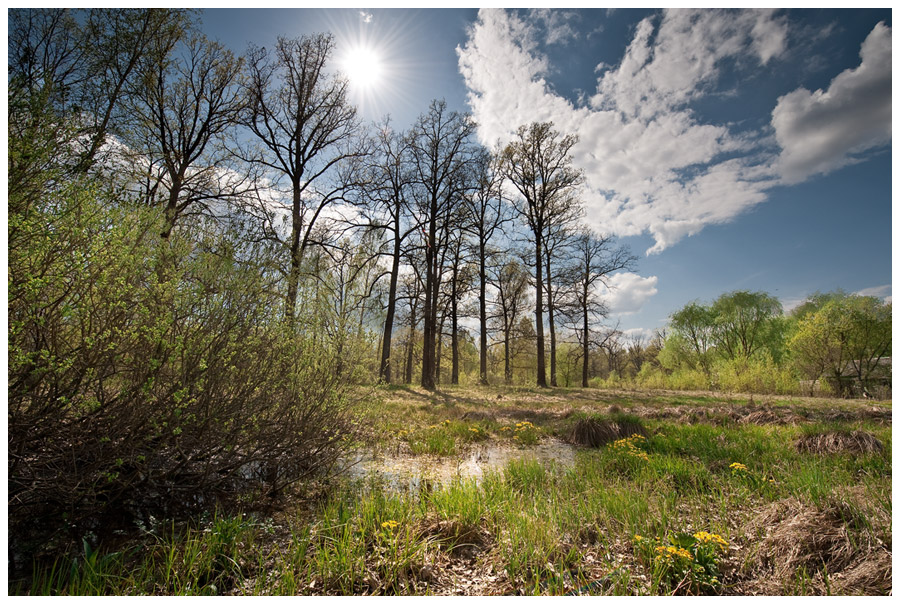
[218, 274]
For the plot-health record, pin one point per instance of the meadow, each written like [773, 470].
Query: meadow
[669, 494]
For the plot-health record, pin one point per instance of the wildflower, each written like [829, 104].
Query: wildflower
[390, 524]
[505, 429]
[446, 422]
[738, 467]
[638, 538]
[704, 537]
[475, 430]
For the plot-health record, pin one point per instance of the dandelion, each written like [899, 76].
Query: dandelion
[638, 538]
[390, 524]
[738, 467]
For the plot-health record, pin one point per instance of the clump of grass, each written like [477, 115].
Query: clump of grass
[839, 441]
[596, 432]
[821, 548]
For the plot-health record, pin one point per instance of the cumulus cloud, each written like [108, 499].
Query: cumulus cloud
[626, 293]
[826, 129]
[558, 24]
[650, 164]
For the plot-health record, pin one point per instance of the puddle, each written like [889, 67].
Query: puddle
[404, 472]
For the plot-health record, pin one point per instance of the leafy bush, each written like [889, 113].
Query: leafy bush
[150, 376]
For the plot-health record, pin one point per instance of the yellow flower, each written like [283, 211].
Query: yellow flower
[473, 430]
[736, 466]
[704, 537]
[390, 524]
[638, 538]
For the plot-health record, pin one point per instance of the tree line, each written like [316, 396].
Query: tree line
[833, 343]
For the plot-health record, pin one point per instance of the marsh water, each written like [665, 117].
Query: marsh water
[396, 471]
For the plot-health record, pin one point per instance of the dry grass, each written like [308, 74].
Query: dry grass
[856, 441]
[825, 546]
[596, 433]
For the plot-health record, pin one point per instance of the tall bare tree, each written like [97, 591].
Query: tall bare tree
[538, 164]
[595, 259]
[189, 105]
[387, 209]
[440, 148]
[309, 133]
[487, 215]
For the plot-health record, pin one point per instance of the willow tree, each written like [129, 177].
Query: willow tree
[538, 164]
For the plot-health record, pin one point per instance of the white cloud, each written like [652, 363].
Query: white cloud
[366, 17]
[821, 131]
[881, 291]
[627, 293]
[650, 164]
[557, 24]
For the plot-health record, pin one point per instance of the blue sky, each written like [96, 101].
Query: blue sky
[730, 150]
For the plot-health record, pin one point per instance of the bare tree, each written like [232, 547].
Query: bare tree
[538, 164]
[596, 258]
[190, 103]
[440, 143]
[387, 209]
[487, 215]
[86, 62]
[309, 133]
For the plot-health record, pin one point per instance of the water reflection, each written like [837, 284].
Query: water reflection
[404, 472]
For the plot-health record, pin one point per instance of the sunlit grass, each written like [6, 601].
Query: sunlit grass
[542, 528]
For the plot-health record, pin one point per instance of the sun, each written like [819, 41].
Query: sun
[364, 68]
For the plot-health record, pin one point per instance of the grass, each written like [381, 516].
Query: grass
[532, 528]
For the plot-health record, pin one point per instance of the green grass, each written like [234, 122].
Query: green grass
[530, 528]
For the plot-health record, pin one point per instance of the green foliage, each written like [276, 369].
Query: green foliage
[845, 337]
[150, 376]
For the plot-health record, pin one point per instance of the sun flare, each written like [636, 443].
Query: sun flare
[363, 66]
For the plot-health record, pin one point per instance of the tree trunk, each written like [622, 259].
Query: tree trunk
[538, 312]
[384, 372]
[507, 369]
[454, 333]
[293, 280]
[428, 351]
[586, 343]
[482, 318]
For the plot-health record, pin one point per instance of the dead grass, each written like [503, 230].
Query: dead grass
[825, 547]
[837, 441]
[594, 432]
